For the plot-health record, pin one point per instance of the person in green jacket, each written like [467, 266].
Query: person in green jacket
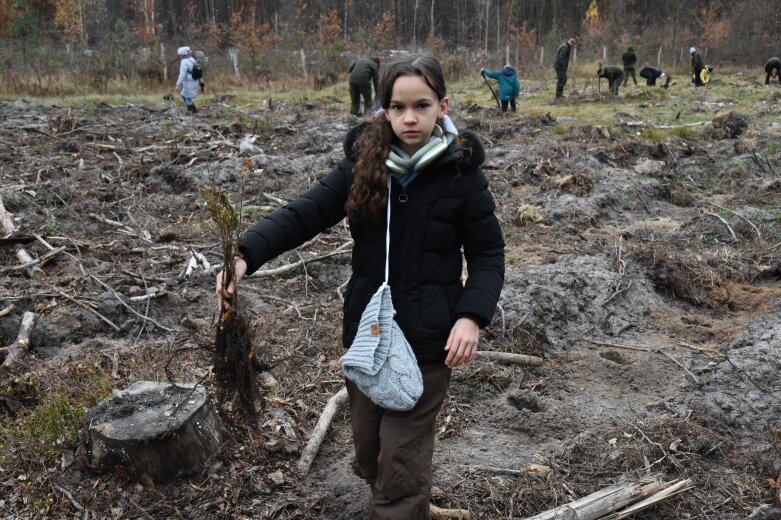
[629, 59]
[561, 64]
[614, 76]
[509, 86]
[363, 74]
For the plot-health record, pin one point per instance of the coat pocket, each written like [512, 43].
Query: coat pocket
[436, 310]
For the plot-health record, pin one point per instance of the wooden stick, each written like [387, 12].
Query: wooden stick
[437, 513]
[29, 263]
[674, 489]
[731, 232]
[756, 230]
[90, 309]
[510, 359]
[19, 348]
[33, 261]
[6, 220]
[321, 429]
[612, 499]
[295, 265]
[619, 345]
[7, 310]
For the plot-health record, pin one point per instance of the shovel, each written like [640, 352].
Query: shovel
[499, 105]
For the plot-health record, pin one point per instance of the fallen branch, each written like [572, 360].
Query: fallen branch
[615, 499]
[321, 429]
[437, 513]
[120, 227]
[756, 230]
[674, 489]
[19, 348]
[679, 364]
[531, 469]
[90, 309]
[125, 305]
[7, 310]
[731, 232]
[31, 262]
[510, 359]
[619, 345]
[295, 265]
[69, 496]
[643, 124]
[6, 220]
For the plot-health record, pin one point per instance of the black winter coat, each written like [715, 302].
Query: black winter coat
[448, 207]
[697, 63]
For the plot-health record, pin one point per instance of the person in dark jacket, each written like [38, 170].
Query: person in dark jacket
[629, 59]
[772, 69]
[434, 199]
[651, 75]
[509, 86]
[561, 65]
[614, 76]
[697, 66]
[363, 74]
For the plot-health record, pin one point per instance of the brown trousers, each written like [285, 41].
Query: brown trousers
[394, 449]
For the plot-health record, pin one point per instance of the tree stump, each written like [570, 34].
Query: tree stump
[154, 428]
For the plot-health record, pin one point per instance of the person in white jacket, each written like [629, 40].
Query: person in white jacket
[186, 85]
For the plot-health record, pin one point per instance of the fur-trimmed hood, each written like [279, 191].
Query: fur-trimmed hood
[472, 151]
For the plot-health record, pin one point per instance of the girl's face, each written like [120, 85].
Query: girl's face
[413, 112]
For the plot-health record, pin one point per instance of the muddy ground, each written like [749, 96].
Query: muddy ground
[645, 271]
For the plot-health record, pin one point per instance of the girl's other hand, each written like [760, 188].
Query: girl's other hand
[461, 346]
[225, 298]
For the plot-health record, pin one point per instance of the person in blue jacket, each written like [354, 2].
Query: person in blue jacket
[509, 86]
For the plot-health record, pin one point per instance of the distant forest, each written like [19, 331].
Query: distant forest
[251, 34]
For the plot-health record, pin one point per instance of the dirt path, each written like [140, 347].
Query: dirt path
[660, 331]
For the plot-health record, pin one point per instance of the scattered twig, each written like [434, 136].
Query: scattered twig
[617, 292]
[128, 307]
[6, 220]
[321, 428]
[509, 358]
[731, 232]
[756, 230]
[34, 262]
[69, 496]
[295, 265]
[619, 345]
[21, 346]
[7, 310]
[438, 513]
[679, 364]
[90, 309]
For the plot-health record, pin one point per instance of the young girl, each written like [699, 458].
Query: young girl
[439, 206]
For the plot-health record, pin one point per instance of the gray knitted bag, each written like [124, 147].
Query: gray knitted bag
[380, 360]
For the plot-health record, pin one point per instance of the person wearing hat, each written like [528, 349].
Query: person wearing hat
[697, 66]
[630, 60]
[186, 85]
[651, 75]
[509, 86]
[561, 65]
[772, 68]
[363, 74]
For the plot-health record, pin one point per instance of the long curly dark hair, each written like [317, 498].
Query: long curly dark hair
[368, 196]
